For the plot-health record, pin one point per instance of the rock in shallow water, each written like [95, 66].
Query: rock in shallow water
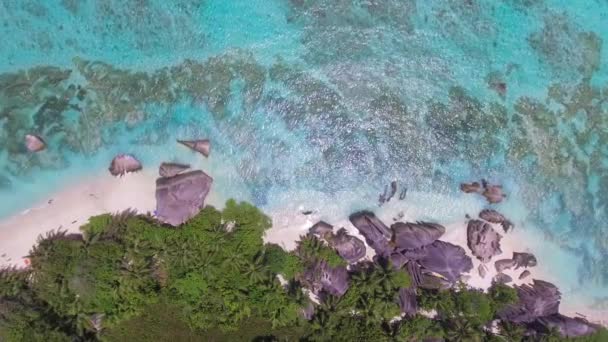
[202, 146]
[483, 240]
[415, 235]
[524, 260]
[34, 143]
[124, 163]
[181, 197]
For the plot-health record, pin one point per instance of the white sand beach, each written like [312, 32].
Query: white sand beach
[71, 208]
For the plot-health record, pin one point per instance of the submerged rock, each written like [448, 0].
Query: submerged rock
[376, 233]
[502, 278]
[172, 169]
[524, 274]
[181, 197]
[349, 247]
[415, 235]
[447, 260]
[504, 264]
[537, 300]
[34, 143]
[524, 260]
[407, 301]
[483, 241]
[124, 163]
[470, 187]
[494, 216]
[493, 193]
[566, 326]
[203, 146]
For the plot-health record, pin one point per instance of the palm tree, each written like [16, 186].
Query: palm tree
[461, 330]
[255, 269]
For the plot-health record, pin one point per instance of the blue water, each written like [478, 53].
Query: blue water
[325, 96]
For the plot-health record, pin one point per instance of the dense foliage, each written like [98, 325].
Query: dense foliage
[128, 278]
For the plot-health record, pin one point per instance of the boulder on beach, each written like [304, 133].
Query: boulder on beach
[124, 163]
[524, 274]
[524, 260]
[483, 240]
[566, 326]
[504, 264]
[446, 259]
[494, 216]
[34, 143]
[415, 235]
[181, 197]
[539, 299]
[321, 228]
[202, 146]
[501, 278]
[376, 233]
[348, 247]
[321, 277]
[407, 301]
[172, 169]
[482, 270]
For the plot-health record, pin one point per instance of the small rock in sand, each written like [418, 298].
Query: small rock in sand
[202, 146]
[124, 163]
[524, 274]
[504, 264]
[502, 278]
[482, 270]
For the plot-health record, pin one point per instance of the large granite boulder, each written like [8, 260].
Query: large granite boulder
[483, 240]
[181, 197]
[376, 233]
[349, 247]
[566, 326]
[446, 259]
[407, 301]
[321, 277]
[494, 216]
[415, 235]
[415, 272]
[537, 300]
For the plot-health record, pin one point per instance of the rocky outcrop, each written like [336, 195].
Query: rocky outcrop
[524, 260]
[124, 163]
[415, 235]
[446, 259]
[376, 233]
[537, 300]
[566, 326]
[202, 146]
[349, 247]
[407, 301]
[34, 143]
[494, 216]
[172, 169]
[415, 272]
[483, 240]
[321, 277]
[181, 197]
[492, 193]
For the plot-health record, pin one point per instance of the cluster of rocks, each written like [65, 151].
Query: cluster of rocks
[492, 193]
[180, 195]
[389, 193]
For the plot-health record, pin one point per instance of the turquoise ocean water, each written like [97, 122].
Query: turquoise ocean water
[324, 96]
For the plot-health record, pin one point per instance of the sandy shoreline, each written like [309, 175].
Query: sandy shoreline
[72, 207]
